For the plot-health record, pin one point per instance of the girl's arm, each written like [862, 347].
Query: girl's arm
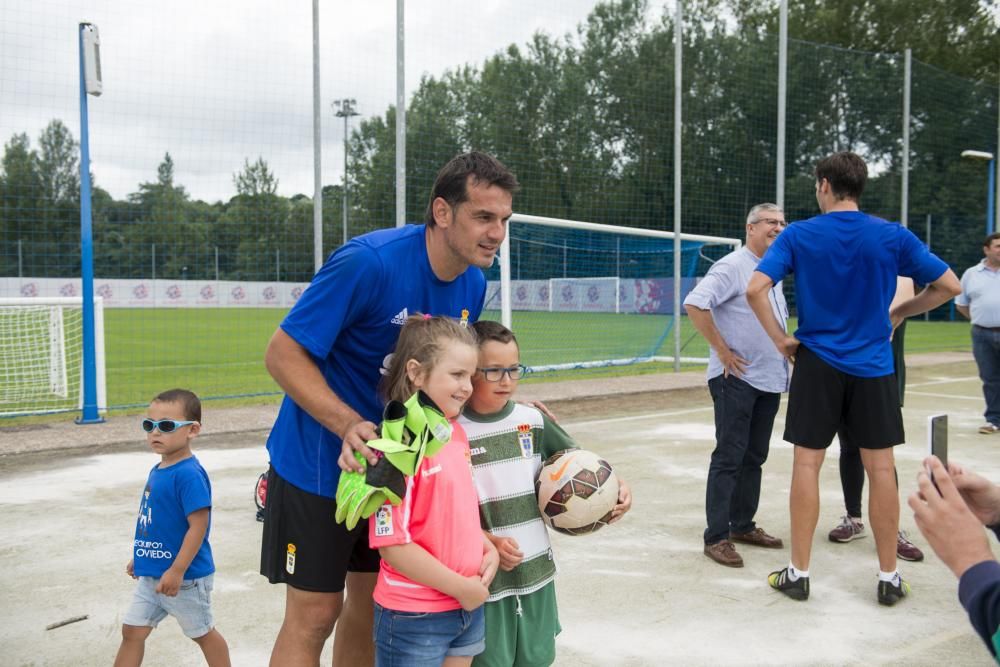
[414, 562]
[170, 582]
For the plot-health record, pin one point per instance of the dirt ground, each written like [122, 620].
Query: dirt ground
[637, 593]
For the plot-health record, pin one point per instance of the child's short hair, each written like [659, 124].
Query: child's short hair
[421, 339]
[489, 330]
[188, 401]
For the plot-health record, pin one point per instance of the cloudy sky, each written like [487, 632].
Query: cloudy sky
[215, 82]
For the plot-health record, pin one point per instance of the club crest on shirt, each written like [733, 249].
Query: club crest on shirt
[526, 440]
[465, 318]
[383, 521]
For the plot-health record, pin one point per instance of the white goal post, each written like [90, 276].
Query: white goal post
[41, 355]
[606, 287]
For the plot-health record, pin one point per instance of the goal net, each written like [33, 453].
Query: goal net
[583, 295]
[41, 355]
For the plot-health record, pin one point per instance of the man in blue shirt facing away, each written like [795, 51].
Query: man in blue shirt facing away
[845, 264]
[329, 355]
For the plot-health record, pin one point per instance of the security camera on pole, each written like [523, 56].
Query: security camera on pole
[90, 83]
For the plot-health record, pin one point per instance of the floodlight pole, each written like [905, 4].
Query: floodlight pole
[990, 184]
[90, 413]
[346, 109]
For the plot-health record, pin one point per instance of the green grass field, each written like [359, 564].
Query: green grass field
[219, 352]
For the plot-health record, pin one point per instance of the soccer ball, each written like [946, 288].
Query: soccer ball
[576, 491]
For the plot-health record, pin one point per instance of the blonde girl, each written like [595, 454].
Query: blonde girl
[436, 562]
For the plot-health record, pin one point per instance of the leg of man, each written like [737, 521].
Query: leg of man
[852, 473]
[746, 496]
[352, 640]
[986, 350]
[883, 504]
[733, 400]
[803, 502]
[309, 620]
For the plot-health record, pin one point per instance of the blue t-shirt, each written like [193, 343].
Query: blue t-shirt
[171, 494]
[349, 320]
[845, 265]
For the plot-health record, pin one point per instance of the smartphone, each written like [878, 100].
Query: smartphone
[937, 437]
[937, 441]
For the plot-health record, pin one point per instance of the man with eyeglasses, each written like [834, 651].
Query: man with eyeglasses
[328, 356]
[746, 376]
[846, 264]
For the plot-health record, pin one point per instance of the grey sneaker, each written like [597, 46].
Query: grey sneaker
[849, 529]
[907, 550]
[988, 428]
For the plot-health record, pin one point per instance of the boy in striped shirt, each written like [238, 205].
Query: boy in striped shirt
[509, 442]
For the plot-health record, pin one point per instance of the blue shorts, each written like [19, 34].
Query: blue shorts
[419, 639]
[192, 606]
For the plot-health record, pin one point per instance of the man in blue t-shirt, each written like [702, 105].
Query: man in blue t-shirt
[328, 355]
[845, 264]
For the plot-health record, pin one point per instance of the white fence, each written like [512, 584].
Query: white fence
[138, 293]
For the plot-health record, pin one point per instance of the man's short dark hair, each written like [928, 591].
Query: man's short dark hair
[188, 401]
[846, 173]
[452, 180]
[490, 330]
[990, 239]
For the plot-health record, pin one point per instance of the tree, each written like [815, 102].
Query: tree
[254, 224]
[58, 163]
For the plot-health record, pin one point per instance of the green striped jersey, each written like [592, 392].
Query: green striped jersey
[508, 448]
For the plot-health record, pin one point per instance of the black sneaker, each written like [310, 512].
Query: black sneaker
[797, 590]
[889, 593]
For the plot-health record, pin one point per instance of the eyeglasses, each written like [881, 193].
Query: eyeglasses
[496, 374]
[165, 425]
[772, 222]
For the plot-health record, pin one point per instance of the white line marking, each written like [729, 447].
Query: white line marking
[941, 381]
[932, 394]
[659, 415]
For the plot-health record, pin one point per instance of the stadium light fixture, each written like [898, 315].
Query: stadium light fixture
[990, 159]
[345, 109]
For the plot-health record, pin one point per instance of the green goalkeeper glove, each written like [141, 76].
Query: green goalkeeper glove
[409, 432]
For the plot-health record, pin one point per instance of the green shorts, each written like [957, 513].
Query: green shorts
[525, 639]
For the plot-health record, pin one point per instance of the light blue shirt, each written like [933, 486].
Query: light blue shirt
[723, 291]
[981, 292]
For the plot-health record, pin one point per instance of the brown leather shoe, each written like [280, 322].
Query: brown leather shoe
[724, 553]
[758, 538]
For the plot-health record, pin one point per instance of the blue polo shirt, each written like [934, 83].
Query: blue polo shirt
[845, 265]
[348, 320]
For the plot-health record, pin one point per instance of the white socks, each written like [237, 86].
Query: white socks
[795, 575]
[890, 577]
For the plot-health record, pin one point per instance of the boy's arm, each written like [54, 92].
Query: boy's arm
[414, 562]
[507, 549]
[171, 580]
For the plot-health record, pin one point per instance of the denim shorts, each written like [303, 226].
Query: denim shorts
[419, 639]
[192, 606]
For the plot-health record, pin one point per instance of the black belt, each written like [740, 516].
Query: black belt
[987, 328]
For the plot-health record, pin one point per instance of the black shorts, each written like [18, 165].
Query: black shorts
[821, 399]
[304, 547]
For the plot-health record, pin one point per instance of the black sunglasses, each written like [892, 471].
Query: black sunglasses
[165, 425]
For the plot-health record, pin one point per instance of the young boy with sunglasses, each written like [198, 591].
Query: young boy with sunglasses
[172, 559]
[509, 441]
